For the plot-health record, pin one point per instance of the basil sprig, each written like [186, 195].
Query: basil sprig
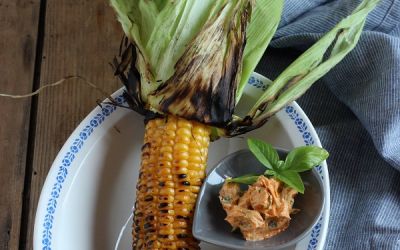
[298, 160]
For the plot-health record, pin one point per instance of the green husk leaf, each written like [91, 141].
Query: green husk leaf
[189, 59]
[192, 59]
[161, 31]
[203, 85]
[265, 18]
[313, 64]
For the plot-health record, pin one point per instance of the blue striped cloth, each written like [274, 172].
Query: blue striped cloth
[356, 111]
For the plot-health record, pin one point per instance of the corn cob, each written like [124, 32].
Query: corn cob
[173, 165]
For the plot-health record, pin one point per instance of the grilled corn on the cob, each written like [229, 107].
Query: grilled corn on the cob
[173, 165]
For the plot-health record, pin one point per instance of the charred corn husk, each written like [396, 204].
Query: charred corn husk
[173, 165]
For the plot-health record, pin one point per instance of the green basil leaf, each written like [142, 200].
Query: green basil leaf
[305, 158]
[264, 152]
[292, 179]
[245, 179]
[269, 172]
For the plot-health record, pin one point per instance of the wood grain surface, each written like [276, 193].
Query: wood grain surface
[18, 27]
[40, 43]
[80, 38]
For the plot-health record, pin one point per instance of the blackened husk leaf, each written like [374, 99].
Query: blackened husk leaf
[124, 67]
[204, 84]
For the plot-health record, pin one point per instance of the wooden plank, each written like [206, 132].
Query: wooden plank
[81, 38]
[19, 26]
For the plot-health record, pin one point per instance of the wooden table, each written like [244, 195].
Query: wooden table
[40, 43]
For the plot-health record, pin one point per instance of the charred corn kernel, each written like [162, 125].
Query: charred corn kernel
[166, 212]
[182, 244]
[184, 190]
[162, 198]
[174, 157]
[180, 224]
[166, 219]
[165, 226]
[166, 184]
[180, 170]
[165, 205]
[164, 164]
[165, 238]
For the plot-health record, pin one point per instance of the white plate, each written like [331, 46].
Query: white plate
[89, 192]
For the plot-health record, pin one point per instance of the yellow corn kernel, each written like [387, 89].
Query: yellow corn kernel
[180, 170]
[181, 163]
[195, 189]
[182, 211]
[181, 147]
[196, 166]
[180, 231]
[184, 132]
[173, 165]
[182, 123]
[166, 149]
[182, 197]
[164, 164]
[167, 191]
[181, 155]
[166, 219]
[166, 156]
[182, 139]
[180, 224]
